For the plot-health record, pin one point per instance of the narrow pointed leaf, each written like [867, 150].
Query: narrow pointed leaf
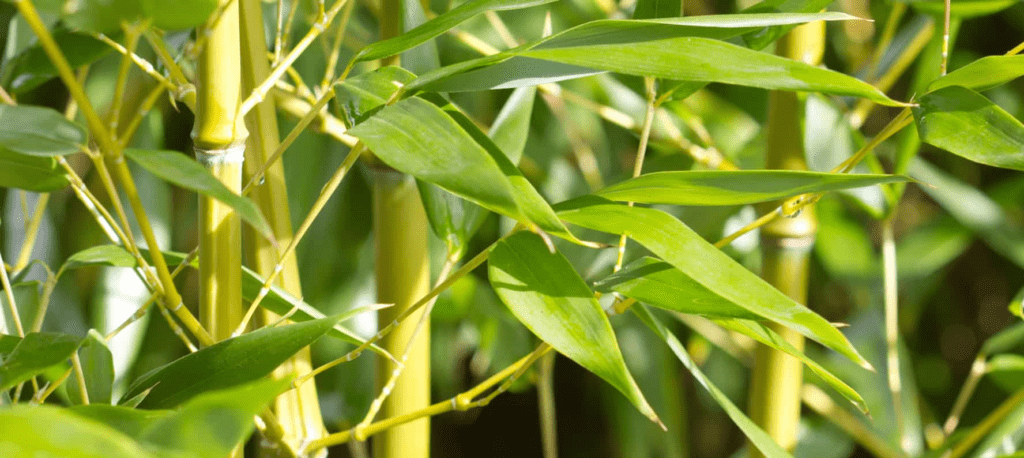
[31, 67]
[227, 363]
[97, 368]
[512, 125]
[967, 124]
[7, 343]
[213, 424]
[358, 96]
[130, 422]
[757, 436]
[31, 173]
[102, 255]
[439, 25]
[34, 354]
[100, 16]
[652, 9]
[39, 131]
[547, 295]
[182, 171]
[34, 431]
[983, 74]
[678, 245]
[1004, 341]
[713, 187]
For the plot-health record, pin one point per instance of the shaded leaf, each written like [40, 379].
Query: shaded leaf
[39, 131]
[34, 354]
[102, 255]
[764, 37]
[358, 96]
[967, 124]
[97, 368]
[7, 343]
[100, 16]
[961, 9]
[439, 25]
[678, 245]
[39, 174]
[1004, 341]
[178, 14]
[130, 422]
[983, 74]
[227, 363]
[546, 294]
[31, 67]
[180, 170]
[34, 431]
[739, 187]
[1007, 371]
[651, 9]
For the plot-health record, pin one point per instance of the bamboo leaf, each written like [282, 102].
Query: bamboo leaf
[967, 124]
[39, 174]
[214, 423]
[962, 9]
[34, 354]
[651, 9]
[360, 95]
[26, 297]
[31, 67]
[100, 16]
[39, 131]
[757, 436]
[102, 255]
[227, 363]
[178, 14]
[1004, 341]
[714, 187]
[129, 421]
[983, 74]
[512, 125]
[678, 245]
[33, 431]
[180, 170]
[762, 38]
[547, 295]
[7, 343]
[98, 369]
[439, 25]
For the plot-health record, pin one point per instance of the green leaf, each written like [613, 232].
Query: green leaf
[967, 124]
[39, 131]
[227, 363]
[98, 369]
[180, 170]
[31, 67]
[983, 74]
[678, 245]
[739, 187]
[1006, 370]
[7, 343]
[213, 424]
[360, 95]
[26, 297]
[34, 431]
[1004, 341]
[762, 38]
[100, 16]
[102, 255]
[130, 422]
[652, 9]
[657, 283]
[443, 147]
[439, 25]
[757, 436]
[39, 174]
[765, 335]
[512, 125]
[1017, 305]
[961, 9]
[546, 294]
[178, 14]
[34, 354]
[1006, 437]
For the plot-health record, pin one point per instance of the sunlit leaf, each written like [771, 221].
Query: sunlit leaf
[1004, 341]
[128, 421]
[97, 369]
[102, 255]
[227, 363]
[967, 124]
[178, 14]
[39, 131]
[182, 171]
[359, 95]
[678, 245]
[100, 16]
[34, 354]
[546, 294]
[715, 187]
[35, 431]
[983, 74]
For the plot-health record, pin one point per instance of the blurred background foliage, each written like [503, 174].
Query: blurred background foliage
[960, 264]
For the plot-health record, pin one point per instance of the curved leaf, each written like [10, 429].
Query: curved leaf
[31, 67]
[102, 255]
[34, 354]
[39, 174]
[359, 95]
[967, 124]
[672, 241]
[97, 368]
[547, 295]
[128, 421]
[100, 16]
[30, 432]
[39, 131]
[983, 74]
[178, 14]
[180, 170]
[720, 187]
[227, 363]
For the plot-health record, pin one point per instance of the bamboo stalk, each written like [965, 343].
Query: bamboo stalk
[297, 410]
[777, 378]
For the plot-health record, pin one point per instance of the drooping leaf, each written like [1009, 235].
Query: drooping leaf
[359, 95]
[739, 187]
[546, 294]
[39, 174]
[178, 14]
[39, 131]
[102, 255]
[757, 436]
[31, 67]
[673, 242]
[100, 16]
[512, 125]
[762, 38]
[967, 124]
[130, 422]
[227, 363]
[34, 431]
[213, 424]
[439, 25]
[34, 354]
[961, 9]
[180, 170]
[97, 368]
[983, 74]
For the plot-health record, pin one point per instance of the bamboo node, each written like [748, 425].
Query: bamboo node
[234, 154]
